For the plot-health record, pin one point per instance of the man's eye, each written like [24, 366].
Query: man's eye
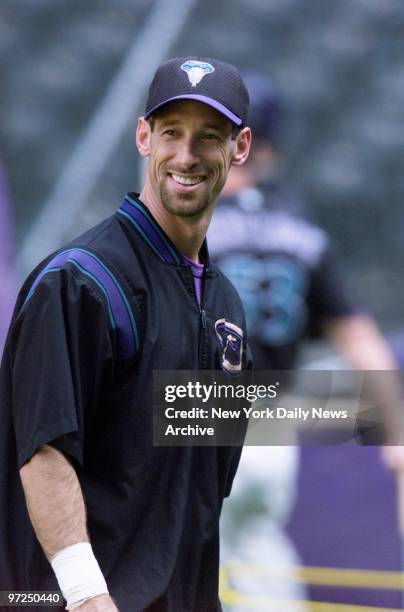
[210, 136]
[170, 132]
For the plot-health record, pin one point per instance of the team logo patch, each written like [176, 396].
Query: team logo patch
[196, 71]
[231, 340]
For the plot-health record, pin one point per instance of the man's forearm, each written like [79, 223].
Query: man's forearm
[54, 500]
[359, 339]
[56, 508]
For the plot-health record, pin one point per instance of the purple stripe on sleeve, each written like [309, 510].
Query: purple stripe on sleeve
[56, 262]
[91, 265]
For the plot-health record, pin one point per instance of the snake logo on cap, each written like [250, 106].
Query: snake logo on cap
[196, 71]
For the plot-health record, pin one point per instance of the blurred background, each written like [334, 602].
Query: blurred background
[73, 80]
[339, 65]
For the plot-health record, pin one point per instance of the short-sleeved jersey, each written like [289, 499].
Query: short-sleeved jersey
[283, 268]
[91, 324]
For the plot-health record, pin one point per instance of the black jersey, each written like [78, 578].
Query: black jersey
[91, 324]
[283, 268]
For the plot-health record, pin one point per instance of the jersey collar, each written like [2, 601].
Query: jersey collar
[143, 222]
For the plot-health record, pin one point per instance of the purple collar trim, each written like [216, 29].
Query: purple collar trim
[143, 222]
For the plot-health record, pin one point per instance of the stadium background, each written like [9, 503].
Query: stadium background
[340, 66]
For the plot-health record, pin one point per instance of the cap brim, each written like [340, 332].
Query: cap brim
[205, 100]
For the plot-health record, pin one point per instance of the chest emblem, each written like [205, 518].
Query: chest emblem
[230, 337]
[196, 71]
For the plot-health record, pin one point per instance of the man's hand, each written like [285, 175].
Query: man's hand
[101, 603]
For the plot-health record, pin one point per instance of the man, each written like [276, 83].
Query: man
[135, 294]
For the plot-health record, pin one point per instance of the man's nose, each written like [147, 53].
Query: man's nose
[187, 153]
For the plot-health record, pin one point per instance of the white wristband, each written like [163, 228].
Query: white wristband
[78, 574]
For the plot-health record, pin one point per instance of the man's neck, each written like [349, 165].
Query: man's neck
[186, 233]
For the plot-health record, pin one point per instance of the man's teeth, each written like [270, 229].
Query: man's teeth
[187, 180]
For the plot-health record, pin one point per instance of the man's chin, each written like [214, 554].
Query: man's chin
[184, 204]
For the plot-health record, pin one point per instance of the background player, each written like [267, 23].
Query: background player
[286, 273]
[282, 264]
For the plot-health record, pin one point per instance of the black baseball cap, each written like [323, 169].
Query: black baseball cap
[206, 80]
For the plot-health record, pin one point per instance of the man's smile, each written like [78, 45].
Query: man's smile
[186, 180]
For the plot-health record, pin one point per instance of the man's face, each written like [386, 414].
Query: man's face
[190, 151]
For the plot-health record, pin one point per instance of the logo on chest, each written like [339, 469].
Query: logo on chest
[230, 337]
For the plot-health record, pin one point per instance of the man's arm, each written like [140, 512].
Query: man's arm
[54, 500]
[360, 341]
[57, 510]
[358, 338]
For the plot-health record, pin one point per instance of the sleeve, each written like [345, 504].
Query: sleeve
[61, 352]
[328, 297]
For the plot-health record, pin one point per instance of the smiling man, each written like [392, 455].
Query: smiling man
[100, 513]
[190, 149]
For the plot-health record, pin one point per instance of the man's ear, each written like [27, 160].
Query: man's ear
[143, 136]
[242, 148]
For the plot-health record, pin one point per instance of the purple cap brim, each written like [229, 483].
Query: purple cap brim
[206, 100]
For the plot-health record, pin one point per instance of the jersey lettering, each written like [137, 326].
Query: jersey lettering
[273, 291]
